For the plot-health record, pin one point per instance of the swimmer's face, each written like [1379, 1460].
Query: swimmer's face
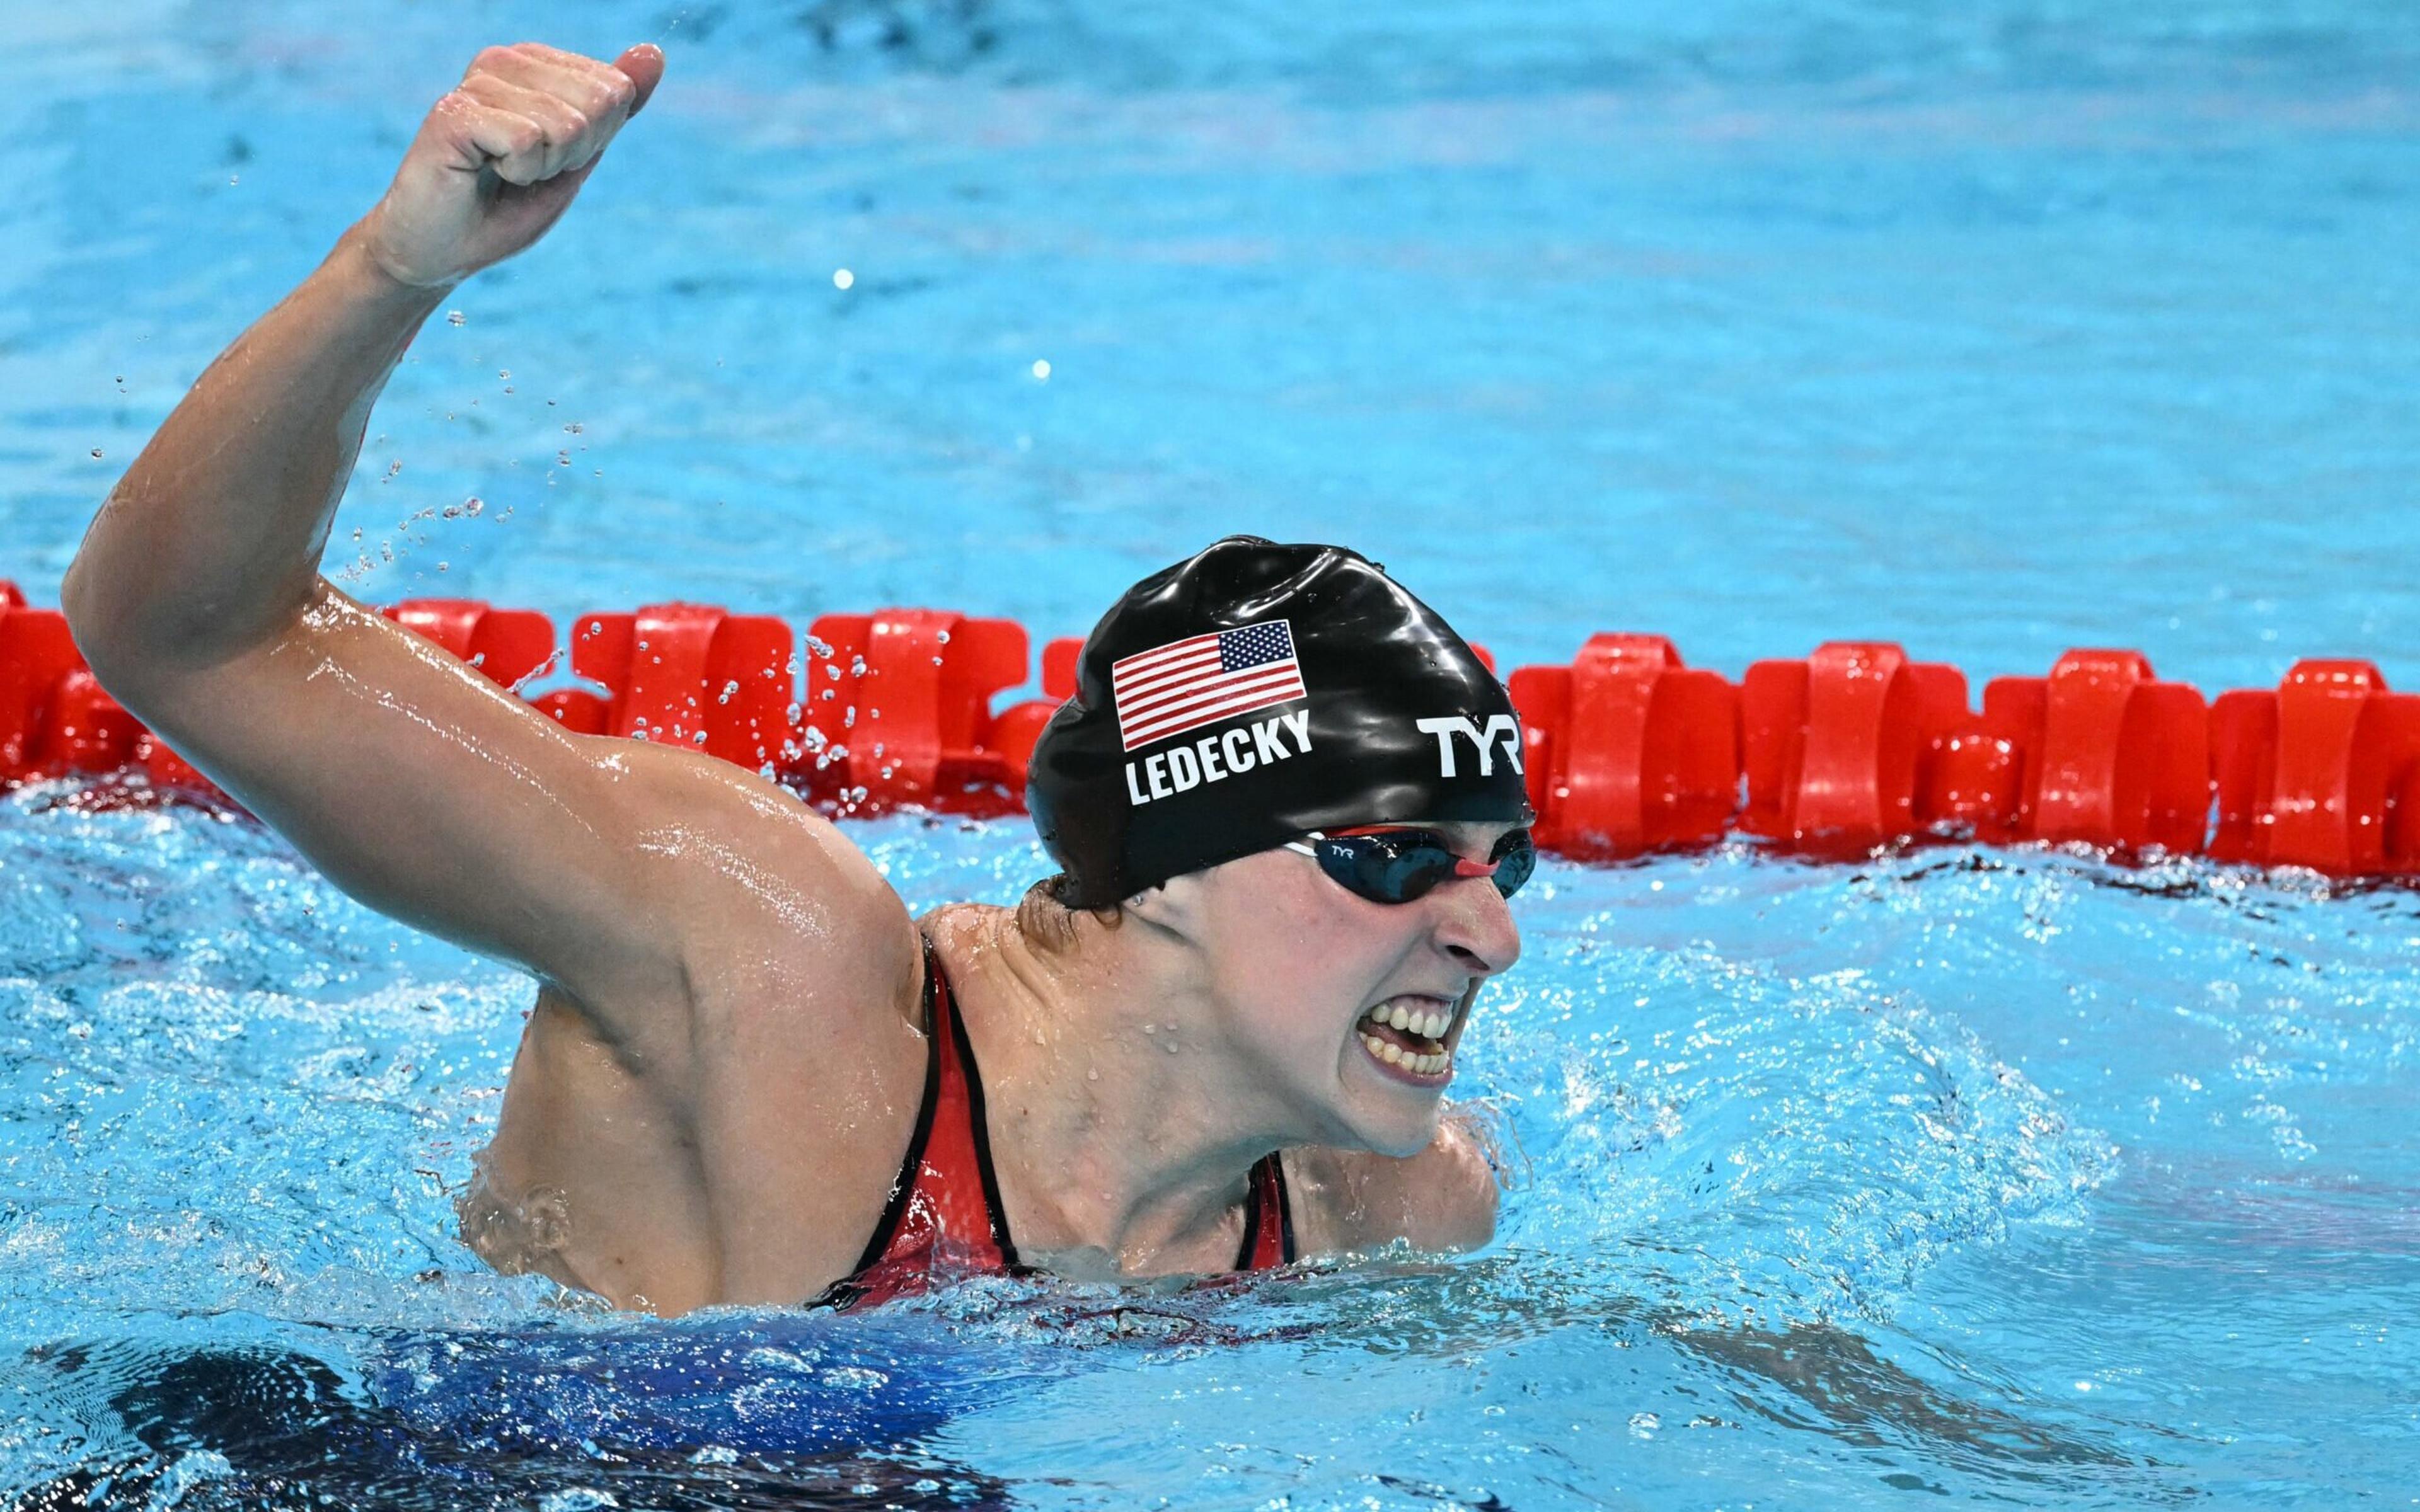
[1354, 1009]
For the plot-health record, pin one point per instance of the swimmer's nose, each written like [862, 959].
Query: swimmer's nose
[1475, 923]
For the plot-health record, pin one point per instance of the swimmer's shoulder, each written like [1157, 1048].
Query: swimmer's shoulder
[793, 963]
[792, 1071]
[1443, 1198]
[754, 876]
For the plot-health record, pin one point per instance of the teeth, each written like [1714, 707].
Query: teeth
[1394, 1054]
[1429, 1023]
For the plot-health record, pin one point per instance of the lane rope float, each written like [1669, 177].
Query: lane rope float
[1627, 750]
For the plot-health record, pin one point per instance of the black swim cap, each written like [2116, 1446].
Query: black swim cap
[1255, 692]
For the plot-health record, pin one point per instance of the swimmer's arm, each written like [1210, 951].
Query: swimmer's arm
[1443, 1198]
[210, 545]
[414, 783]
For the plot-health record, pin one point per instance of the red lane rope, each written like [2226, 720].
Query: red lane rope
[1628, 751]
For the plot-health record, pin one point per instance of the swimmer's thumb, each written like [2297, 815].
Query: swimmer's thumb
[643, 66]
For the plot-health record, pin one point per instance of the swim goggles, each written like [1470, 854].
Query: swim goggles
[1393, 865]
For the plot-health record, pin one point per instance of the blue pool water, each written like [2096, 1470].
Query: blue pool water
[1994, 328]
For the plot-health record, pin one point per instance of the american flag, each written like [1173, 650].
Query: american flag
[1187, 683]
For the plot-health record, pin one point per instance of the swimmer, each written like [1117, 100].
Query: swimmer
[1286, 802]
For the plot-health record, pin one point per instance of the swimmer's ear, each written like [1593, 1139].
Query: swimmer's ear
[643, 66]
[1167, 906]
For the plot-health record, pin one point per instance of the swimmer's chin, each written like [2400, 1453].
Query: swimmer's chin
[1399, 1141]
[1404, 1149]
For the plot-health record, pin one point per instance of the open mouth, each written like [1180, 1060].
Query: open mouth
[1407, 1037]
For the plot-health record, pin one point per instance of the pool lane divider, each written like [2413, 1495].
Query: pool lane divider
[1629, 751]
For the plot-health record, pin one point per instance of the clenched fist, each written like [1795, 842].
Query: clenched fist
[500, 157]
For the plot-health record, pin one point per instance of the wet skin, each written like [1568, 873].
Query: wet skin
[721, 1072]
[1132, 1080]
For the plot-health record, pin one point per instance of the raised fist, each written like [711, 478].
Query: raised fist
[500, 157]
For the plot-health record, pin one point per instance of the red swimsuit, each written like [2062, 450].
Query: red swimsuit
[945, 1220]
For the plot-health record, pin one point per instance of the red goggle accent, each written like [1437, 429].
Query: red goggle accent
[1407, 863]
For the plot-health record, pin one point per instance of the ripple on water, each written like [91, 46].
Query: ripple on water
[1822, 1174]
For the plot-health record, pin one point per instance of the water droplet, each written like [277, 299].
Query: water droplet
[1041, 370]
[842, 278]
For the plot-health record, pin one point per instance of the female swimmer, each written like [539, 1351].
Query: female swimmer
[1286, 801]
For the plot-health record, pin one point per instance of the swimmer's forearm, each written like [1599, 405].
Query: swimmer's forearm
[210, 545]
[211, 542]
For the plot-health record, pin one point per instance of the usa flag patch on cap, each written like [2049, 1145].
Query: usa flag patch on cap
[1199, 680]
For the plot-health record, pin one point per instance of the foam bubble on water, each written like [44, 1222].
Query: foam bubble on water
[186, 1472]
[1808, 1144]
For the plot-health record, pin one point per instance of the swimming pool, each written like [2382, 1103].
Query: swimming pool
[1991, 328]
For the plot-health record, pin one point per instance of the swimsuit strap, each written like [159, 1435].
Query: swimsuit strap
[1268, 1218]
[944, 1216]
